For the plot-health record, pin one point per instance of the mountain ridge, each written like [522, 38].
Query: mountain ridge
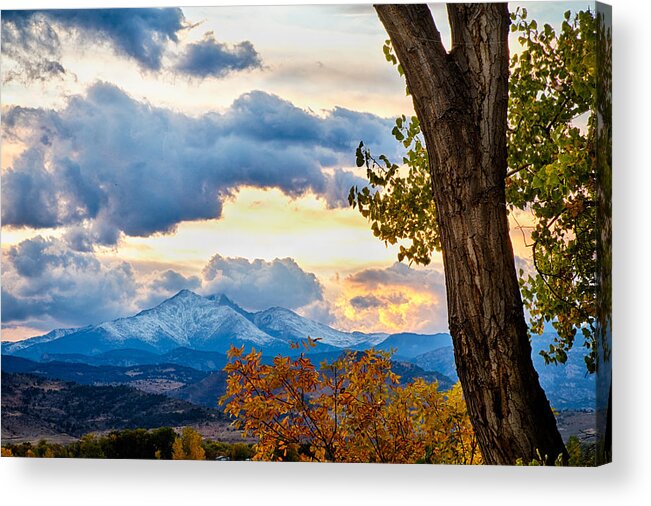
[187, 320]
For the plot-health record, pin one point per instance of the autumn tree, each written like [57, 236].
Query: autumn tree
[188, 446]
[353, 410]
[461, 99]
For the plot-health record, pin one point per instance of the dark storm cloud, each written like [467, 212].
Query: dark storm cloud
[398, 274]
[32, 39]
[34, 257]
[43, 280]
[338, 187]
[172, 282]
[14, 309]
[266, 117]
[259, 284]
[365, 302]
[108, 164]
[139, 34]
[211, 58]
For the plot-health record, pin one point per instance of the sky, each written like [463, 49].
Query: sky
[210, 148]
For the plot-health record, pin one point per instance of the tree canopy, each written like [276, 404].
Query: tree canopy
[352, 410]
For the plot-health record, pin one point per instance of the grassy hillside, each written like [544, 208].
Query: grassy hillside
[37, 406]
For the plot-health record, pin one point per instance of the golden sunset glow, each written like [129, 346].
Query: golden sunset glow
[18, 333]
[400, 307]
[267, 224]
[521, 223]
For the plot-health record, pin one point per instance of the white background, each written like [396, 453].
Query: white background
[625, 482]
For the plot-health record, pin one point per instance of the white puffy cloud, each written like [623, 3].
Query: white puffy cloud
[46, 284]
[260, 284]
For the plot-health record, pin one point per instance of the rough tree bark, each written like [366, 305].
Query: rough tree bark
[461, 100]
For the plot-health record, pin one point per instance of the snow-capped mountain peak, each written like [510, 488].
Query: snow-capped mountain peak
[184, 318]
[223, 300]
[189, 320]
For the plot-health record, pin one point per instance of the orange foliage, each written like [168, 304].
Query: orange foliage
[352, 410]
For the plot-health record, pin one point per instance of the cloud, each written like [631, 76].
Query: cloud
[34, 257]
[44, 281]
[45, 284]
[33, 44]
[365, 302]
[107, 164]
[14, 309]
[211, 58]
[163, 285]
[337, 187]
[320, 311]
[259, 284]
[33, 40]
[398, 274]
[138, 34]
[171, 281]
[394, 299]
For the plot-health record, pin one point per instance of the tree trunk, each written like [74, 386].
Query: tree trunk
[461, 100]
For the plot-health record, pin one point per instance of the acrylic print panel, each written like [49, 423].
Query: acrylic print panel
[224, 232]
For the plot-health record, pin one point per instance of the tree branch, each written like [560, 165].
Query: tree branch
[513, 172]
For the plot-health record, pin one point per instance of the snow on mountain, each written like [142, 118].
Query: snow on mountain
[186, 319]
[287, 325]
[223, 300]
[9, 347]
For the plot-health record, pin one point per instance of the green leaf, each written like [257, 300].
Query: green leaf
[359, 155]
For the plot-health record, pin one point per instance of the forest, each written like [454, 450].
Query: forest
[162, 443]
[166, 444]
